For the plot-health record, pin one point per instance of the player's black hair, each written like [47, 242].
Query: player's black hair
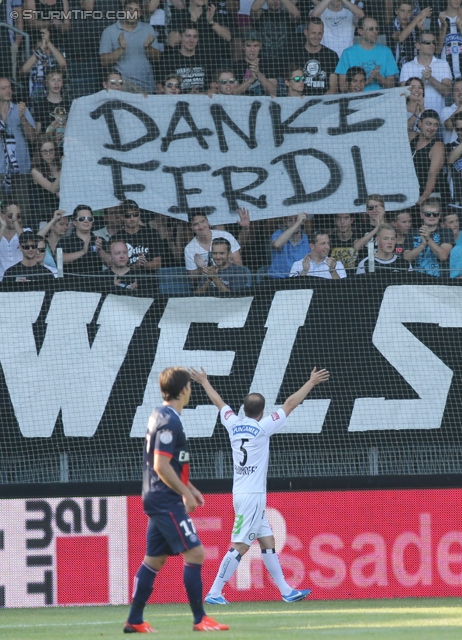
[254, 405]
[172, 381]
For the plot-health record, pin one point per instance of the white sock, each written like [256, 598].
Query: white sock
[271, 562]
[228, 566]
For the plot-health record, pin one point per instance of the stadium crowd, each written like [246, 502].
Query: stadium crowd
[283, 48]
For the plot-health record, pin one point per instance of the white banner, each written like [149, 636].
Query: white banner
[275, 157]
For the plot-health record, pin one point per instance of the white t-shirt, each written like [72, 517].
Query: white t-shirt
[250, 442]
[194, 247]
[322, 270]
[448, 136]
[339, 29]
[440, 71]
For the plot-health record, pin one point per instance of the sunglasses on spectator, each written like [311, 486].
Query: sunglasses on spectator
[41, 249]
[119, 82]
[47, 151]
[428, 42]
[85, 219]
[132, 214]
[458, 129]
[230, 81]
[431, 214]
[371, 207]
[172, 85]
[298, 78]
[26, 247]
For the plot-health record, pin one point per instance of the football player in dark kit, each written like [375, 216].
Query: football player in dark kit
[168, 498]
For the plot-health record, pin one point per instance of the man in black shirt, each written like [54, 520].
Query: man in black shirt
[317, 61]
[146, 249]
[187, 62]
[28, 270]
[254, 71]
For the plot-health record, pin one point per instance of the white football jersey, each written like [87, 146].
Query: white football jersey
[250, 444]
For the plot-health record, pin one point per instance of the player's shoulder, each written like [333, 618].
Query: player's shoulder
[163, 416]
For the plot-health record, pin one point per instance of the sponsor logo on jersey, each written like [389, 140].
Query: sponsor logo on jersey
[246, 428]
[166, 437]
[229, 413]
[275, 416]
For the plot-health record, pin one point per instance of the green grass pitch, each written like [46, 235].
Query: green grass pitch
[409, 619]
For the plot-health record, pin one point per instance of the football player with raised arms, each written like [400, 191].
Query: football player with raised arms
[250, 439]
[168, 499]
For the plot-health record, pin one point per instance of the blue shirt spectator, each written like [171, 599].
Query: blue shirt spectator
[287, 246]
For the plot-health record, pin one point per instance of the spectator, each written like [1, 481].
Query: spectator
[428, 247]
[113, 222]
[375, 209]
[175, 233]
[401, 221]
[288, 244]
[428, 156]
[113, 80]
[342, 239]
[27, 270]
[415, 103]
[10, 42]
[294, 79]
[146, 250]
[449, 40]
[455, 260]
[10, 230]
[448, 114]
[317, 262]
[318, 62]
[376, 60]
[276, 24]
[197, 252]
[88, 24]
[402, 33]
[435, 73]
[42, 250]
[119, 271]
[450, 220]
[454, 161]
[171, 86]
[339, 18]
[51, 111]
[221, 275]
[225, 83]
[186, 61]
[80, 248]
[44, 16]
[254, 71]
[385, 257]
[127, 45]
[213, 29]
[44, 59]
[17, 128]
[355, 80]
[46, 177]
[54, 231]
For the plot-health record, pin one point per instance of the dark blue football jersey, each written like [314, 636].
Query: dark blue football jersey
[165, 436]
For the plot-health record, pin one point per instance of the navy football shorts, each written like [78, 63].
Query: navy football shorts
[171, 532]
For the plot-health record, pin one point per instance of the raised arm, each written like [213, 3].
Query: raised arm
[201, 378]
[316, 377]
